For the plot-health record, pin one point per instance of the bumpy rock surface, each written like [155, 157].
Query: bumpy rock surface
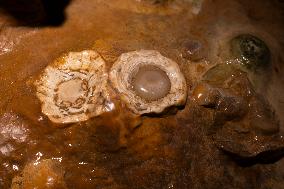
[244, 123]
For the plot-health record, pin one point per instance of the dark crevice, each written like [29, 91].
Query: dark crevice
[267, 157]
[36, 12]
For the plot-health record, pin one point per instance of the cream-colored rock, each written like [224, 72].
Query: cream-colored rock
[73, 87]
[163, 84]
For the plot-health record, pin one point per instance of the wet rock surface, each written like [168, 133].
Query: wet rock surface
[251, 51]
[229, 137]
[158, 7]
[44, 174]
[194, 50]
[243, 122]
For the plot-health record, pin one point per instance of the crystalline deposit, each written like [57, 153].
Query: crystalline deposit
[73, 87]
[148, 82]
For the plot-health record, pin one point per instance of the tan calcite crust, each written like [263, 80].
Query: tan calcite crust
[128, 63]
[166, 7]
[73, 87]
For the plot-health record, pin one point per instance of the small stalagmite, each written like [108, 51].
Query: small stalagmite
[73, 87]
[148, 82]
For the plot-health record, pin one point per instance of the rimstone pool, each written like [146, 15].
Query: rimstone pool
[133, 94]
